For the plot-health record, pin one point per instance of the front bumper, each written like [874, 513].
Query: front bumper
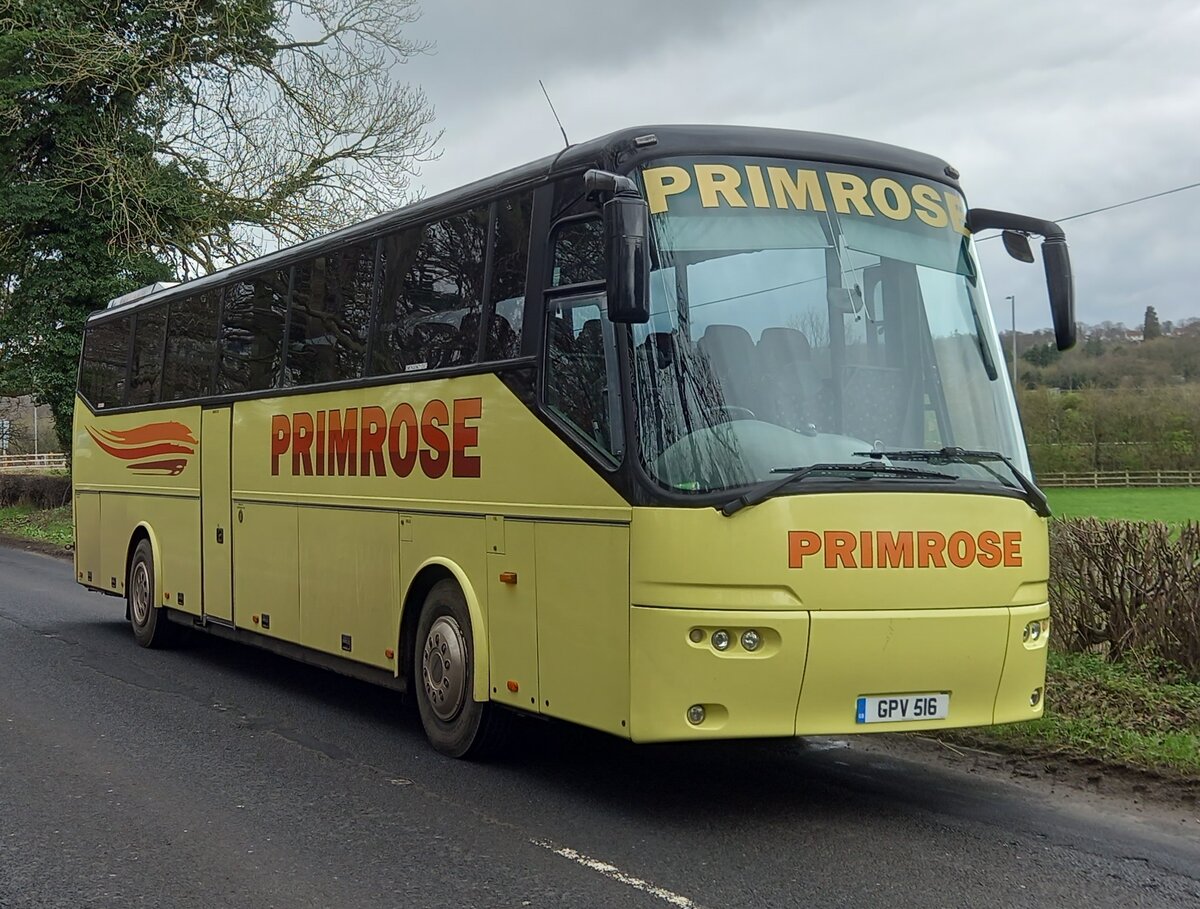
[806, 676]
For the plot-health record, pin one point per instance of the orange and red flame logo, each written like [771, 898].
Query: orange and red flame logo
[156, 448]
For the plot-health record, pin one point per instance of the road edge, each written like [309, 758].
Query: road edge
[42, 547]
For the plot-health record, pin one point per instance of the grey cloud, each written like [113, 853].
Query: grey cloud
[490, 49]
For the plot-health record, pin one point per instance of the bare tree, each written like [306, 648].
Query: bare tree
[283, 118]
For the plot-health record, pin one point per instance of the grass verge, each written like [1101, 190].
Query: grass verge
[1138, 716]
[1171, 506]
[50, 526]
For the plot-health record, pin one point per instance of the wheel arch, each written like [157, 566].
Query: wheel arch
[429, 573]
[143, 531]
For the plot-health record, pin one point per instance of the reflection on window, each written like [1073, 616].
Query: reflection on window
[331, 309]
[150, 324]
[431, 295]
[578, 252]
[105, 359]
[581, 376]
[191, 347]
[508, 277]
[251, 348]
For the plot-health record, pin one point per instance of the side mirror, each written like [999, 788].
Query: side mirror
[1017, 246]
[1057, 261]
[626, 246]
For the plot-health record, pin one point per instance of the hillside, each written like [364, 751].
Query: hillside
[1114, 402]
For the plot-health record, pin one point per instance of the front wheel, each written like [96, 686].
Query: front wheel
[444, 675]
[150, 627]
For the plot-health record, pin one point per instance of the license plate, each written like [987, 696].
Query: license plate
[902, 708]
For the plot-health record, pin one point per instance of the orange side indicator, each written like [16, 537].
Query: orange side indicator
[389, 653]
[254, 619]
[513, 686]
[508, 577]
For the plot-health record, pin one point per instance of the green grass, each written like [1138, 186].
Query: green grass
[1136, 716]
[1172, 506]
[53, 526]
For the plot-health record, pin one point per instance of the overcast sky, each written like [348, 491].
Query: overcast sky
[1047, 109]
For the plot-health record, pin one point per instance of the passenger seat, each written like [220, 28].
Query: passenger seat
[791, 382]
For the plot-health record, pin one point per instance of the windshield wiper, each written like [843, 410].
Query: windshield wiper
[866, 471]
[1034, 496]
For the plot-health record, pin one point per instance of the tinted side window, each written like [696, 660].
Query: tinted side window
[578, 252]
[508, 277]
[431, 295]
[148, 332]
[331, 308]
[581, 373]
[252, 314]
[105, 359]
[191, 347]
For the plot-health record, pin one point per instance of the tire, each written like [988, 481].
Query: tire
[443, 676]
[150, 627]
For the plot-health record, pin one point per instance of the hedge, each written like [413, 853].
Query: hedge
[36, 490]
[1127, 589]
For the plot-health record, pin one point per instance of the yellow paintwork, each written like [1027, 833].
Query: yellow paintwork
[87, 535]
[831, 634]
[512, 612]
[112, 502]
[349, 583]
[583, 623]
[1024, 667]
[215, 513]
[266, 569]
[743, 694]
[595, 628]
[701, 559]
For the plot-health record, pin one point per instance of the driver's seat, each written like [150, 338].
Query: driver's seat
[730, 354]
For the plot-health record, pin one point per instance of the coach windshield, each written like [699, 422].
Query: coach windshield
[805, 314]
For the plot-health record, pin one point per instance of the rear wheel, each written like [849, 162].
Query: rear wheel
[444, 677]
[150, 627]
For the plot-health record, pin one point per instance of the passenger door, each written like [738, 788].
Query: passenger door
[216, 547]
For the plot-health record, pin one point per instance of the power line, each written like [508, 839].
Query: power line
[1165, 192]
[1094, 211]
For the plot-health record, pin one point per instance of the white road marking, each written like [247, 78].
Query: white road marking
[612, 871]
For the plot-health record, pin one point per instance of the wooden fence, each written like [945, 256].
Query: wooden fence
[1112, 478]
[27, 462]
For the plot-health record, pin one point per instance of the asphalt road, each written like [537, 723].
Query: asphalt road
[218, 775]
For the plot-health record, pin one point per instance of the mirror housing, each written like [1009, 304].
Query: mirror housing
[626, 246]
[1061, 285]
[1055, 258]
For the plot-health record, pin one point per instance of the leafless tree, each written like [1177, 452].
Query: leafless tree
[283, 117]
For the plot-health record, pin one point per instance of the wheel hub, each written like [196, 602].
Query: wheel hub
[139, 594]
[444, 667]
